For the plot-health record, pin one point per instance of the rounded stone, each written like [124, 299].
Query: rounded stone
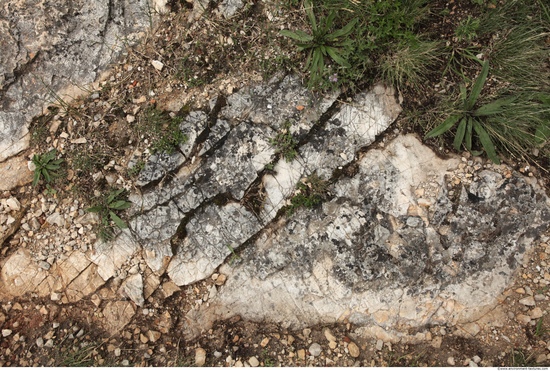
[315, 349]
[200, 357]
[253, 361]
[353, 350]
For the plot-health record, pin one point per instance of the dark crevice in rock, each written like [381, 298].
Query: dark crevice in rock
[213, 115]
[197, 146]
[21, 70]
[254, 196]
[325, 117]
[221, 199]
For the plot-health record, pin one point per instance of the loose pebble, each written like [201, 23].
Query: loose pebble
[253, 361]
[315, 349]
[200, 357]
[529, 301]
[353, 350]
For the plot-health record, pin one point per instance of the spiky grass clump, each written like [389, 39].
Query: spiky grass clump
[523, 127]
[518, 56]
[409, 65]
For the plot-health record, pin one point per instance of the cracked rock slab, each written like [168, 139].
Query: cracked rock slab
[117, 314]
[370, 256]
[211, 237]
[111, 256]
[353, 127]
[20, 274]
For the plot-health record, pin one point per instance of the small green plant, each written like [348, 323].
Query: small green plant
[467, 29]
[518, 359]
[136, 169]
[186, 73]
[106, 208]
[268, 362]
[162, 130]
[285, 143]
[310, 193]
[78, 356]
[46, 165]
[470, 119]
[516, 56]
[234, 256]
[323, 43]
[540, 330]
[518, 121]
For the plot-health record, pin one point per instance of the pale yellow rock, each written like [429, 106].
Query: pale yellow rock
[71, 267]
[200, 357]
[144, 339]
[381, 316]
[290, 339]
[15, 173]
[220, 280]
[20, 274]
[436, 342]
[535, 313]
[158, 65]
[13, 204]
[253, 361]
[328, 335]
[153, 335]
[353, 350]
[152, 282]
[117, 314]
[302, 354]
[169, 288]
[85, 284]
[264, 342]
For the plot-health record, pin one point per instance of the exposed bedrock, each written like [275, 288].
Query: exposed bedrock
[51, 50]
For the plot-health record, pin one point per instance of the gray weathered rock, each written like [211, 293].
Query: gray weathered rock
[354, 126]
[211, 237]
[228, 8]
[277, 102]
[49, 49]
[360, 256]
[160, 164]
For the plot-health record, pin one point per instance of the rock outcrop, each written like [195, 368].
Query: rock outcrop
[52, 51]
[309, 219]
[394, 248]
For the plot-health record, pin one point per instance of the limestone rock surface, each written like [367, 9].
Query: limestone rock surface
[51, 48]
[402, 239]
[379, 255]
